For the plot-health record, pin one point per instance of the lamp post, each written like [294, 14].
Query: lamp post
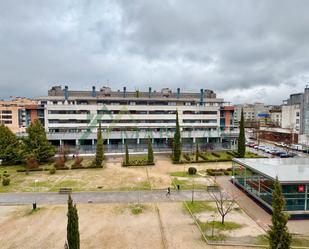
[35, 182]
[139, 191]
[192, 198]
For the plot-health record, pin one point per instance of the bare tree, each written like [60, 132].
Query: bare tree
[224, 203]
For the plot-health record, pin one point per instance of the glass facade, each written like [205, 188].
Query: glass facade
[261, 187]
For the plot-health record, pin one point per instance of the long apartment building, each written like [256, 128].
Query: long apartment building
[73, 117]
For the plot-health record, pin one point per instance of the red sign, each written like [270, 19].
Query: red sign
[301, 188]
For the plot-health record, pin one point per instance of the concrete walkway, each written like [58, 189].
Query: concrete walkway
[102, 197]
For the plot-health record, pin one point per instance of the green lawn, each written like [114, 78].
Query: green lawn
[183, 174]
[216, 156]
[219, 226]
[199, 206]
[188, 184]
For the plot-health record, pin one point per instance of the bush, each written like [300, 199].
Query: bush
[32, 162]
[6, 181]
[203, 157]
[192, 171]
[6, 174]
[78, 162]
[59, 163]
[215, 154]
[52, 170]
[187, 157]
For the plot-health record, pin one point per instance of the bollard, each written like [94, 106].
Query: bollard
[34, 205]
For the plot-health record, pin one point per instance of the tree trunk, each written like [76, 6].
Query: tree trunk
[222, 220]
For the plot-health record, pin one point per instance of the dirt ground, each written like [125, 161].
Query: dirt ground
[101, 226]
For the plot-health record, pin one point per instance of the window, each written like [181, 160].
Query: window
[6, 112]
[297, 114]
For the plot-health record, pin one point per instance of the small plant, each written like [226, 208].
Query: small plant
[137, 209]
[192, 171]
[52, 170]
[5, 174]
[6, 181]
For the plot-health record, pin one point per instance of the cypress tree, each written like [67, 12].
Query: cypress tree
[36, 142]
[127, 159]
[73, 241]
[150, 152]
[177, 142]
[10, 147]
[241, 138]
[99, 155]
[278, 235]
[197, 153]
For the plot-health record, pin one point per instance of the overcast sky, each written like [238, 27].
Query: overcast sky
[245, 50]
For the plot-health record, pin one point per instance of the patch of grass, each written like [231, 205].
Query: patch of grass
[183, 174]
[200, 206]
[137, 209]
[33, 211]
[144, 185]
[227, 226]
[217, 237]
[187, 184]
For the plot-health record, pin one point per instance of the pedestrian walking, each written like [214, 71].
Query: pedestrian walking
[168, 192]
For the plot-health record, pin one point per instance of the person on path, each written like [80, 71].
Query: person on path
[168, 192]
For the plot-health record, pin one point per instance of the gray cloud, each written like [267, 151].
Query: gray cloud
[245, 51]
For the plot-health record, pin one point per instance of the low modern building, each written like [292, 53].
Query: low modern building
[72, 117]
[256, 177]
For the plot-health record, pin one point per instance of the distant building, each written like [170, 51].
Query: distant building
[275, 115]
[72, 117]
[14, 113]
[295, 115]
[259, 113]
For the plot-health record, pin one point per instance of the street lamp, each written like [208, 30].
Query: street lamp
[139, 190]
[35, 182]
[192, 198]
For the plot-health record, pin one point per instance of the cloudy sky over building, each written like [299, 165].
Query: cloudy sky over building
[244, 50]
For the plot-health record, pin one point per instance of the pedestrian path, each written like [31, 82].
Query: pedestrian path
[102, 197]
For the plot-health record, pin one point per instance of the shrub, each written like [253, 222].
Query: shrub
[215, 154]
[187, 157]
[6, 174]
[77, 162]
[204, 157]
[52, 170]
[192, 171]
[32, 162]
[6, 181]
[59, 163]
[227, 172]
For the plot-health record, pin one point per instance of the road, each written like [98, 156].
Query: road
[101, 197]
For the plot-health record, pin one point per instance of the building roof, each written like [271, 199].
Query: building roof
[288, 170]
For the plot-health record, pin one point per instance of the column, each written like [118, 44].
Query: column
[306, 198]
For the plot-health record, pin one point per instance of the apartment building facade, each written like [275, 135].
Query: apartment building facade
[72, 117]
[14, 113]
